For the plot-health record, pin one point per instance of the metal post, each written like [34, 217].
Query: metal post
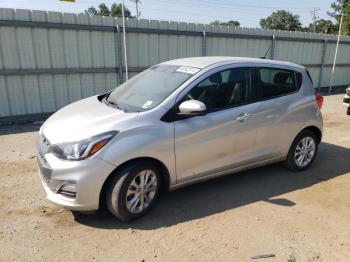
[137, 8]
[118, 52]
[273, 47]
[322, 64]
[335, 55]
[124, 41]
[204, 51]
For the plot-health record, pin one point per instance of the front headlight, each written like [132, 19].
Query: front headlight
[348, 91]
[82, 149]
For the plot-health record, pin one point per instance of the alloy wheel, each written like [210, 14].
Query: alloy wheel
[141, 191]
[305, 151]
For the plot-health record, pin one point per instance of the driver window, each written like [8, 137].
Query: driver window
[224, 89]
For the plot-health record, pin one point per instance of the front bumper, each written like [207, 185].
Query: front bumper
[88, 175]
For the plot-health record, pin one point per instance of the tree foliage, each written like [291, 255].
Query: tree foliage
[323, 26]
[342, 7]
[228, 23]
[104, 10]
[281, 20]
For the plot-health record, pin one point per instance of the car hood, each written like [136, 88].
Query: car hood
[83, 119]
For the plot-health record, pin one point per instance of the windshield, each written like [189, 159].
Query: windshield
[149, 88]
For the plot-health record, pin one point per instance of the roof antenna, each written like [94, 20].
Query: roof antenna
[264, 57]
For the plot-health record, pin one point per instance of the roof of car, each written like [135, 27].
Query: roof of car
[205, 61]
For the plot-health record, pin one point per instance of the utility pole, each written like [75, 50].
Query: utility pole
[124, 42]
[137, 7]
[335, 54]
[314, 17]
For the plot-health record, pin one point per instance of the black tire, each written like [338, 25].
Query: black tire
[116, 194]
[290, 162]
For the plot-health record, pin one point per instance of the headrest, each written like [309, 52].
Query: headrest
[216, 78]
[238, 74]
[281, 78]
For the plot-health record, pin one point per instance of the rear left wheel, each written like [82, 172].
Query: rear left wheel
[302, 151]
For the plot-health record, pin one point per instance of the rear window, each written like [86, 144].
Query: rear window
[277, 82]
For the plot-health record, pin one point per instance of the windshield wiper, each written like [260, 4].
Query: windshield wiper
[114, 104]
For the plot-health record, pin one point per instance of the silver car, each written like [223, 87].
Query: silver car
[178, 123]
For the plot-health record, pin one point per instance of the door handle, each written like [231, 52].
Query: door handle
[243, 116]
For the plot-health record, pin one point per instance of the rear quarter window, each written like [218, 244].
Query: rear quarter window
[299, 78]
[276, 82]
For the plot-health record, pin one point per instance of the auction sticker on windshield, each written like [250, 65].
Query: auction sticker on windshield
[147, 104]
[188, 70]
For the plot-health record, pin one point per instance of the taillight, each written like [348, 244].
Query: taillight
[319, 99]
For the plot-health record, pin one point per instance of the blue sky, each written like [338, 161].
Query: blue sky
[248, 12]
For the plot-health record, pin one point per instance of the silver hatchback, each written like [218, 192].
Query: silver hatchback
[177, 123]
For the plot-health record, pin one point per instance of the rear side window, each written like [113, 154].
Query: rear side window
[276, 82]
[299, 77]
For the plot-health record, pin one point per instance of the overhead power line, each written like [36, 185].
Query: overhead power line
[235, 4]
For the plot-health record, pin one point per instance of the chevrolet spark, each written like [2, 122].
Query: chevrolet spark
[178, 123]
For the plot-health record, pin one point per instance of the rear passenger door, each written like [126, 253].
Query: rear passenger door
[280, 103]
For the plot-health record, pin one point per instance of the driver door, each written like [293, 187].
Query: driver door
[225, 137]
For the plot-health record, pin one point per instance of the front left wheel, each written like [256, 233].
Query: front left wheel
[134, 190]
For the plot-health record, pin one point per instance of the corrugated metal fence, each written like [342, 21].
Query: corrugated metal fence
[50, 59]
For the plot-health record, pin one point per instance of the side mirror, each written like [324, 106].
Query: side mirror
[192, 108]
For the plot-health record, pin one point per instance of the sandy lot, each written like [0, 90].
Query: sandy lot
[297, 217]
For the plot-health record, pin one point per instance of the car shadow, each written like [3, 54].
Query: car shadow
[232, 191]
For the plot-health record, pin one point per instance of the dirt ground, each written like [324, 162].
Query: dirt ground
[297, 217]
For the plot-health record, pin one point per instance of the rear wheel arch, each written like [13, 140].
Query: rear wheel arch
[315, 130]
[165, 182]
[305, 154]
[311, 128]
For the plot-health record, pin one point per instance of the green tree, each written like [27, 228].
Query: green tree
[91, 11]
[228, 23]
[104, 10]
[342, 7]
[281, 20]
[323, 26]
[116, 10]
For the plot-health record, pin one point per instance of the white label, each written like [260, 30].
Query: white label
[188, 70]
[147, 104]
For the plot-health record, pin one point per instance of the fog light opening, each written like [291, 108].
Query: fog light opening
[69, 190]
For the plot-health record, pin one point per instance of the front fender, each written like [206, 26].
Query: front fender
[153, 141]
